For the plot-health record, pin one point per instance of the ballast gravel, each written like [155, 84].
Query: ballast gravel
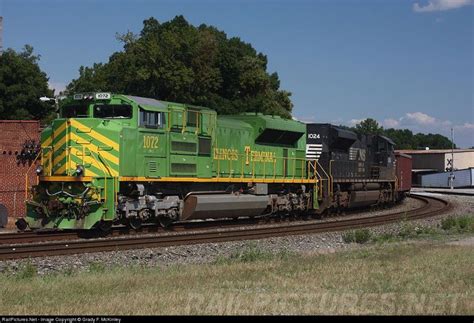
[208, 253]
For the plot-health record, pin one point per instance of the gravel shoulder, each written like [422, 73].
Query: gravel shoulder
[322, 243]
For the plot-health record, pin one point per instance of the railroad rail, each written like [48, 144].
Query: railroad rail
[431, 206]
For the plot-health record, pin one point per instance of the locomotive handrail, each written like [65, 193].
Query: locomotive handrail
[114, 178]
[307, 169]
[68, 160]
[331, 181]
[50, 162]
[26, 176]
[105, 179]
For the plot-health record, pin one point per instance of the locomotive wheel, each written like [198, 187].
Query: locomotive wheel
[105, 226]
[21, 224]
[164, 221]
[135, 223]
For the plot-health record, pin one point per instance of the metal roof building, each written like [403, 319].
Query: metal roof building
[438, 160]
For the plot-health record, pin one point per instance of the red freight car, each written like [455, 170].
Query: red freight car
[403, 172]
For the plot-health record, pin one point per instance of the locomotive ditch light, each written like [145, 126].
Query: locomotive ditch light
[79, 170]
[39, 170]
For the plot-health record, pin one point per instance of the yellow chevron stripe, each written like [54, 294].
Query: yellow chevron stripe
[96, 135]
[60, 129]
[61, 169]
[108, 156]
[60, 157]
[62, 140]
[47, 142]
[91, 160]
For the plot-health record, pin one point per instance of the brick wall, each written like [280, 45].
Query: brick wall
[13, 134]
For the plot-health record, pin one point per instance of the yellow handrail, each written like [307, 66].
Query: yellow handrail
[26, 176]
[259, 169]
[105, 176]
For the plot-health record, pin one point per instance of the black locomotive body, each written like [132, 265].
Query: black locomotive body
[360, 168]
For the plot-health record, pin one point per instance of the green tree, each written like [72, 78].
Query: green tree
[22, 83]
[404, 138]
[369, 127]
[176, 61]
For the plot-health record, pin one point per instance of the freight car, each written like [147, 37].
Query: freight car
[120, 159]
[403, 169]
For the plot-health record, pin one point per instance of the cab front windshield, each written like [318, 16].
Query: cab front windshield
[75, 111]
[113, 111]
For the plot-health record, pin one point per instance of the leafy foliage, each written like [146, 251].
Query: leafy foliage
[22, 83]
[176, 61]
[369, 126]
[404, 138]
[358, 236]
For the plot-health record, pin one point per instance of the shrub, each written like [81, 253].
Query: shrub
[358, 236]
[459, 224]
[362, 235]
[448, 223]
[27, 271]
[348, 237]
[407, 230]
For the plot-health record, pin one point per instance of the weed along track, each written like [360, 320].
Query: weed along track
[13, 249]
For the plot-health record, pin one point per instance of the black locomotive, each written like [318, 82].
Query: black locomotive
[361, 169]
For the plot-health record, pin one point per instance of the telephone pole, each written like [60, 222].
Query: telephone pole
[452, 160]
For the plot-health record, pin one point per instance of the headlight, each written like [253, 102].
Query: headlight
[39, 170]
[79, 170]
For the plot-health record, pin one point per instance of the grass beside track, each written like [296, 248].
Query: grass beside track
[420, 277]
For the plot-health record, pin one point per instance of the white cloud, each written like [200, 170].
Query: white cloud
[391, 123]
[441, 5]
[420, 118]
[465, 126]
[353, 122]
[419, 122]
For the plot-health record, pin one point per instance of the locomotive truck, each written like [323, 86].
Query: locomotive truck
[121, 159]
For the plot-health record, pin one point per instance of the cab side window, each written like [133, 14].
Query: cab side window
[151, 119]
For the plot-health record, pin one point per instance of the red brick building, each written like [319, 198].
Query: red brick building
[13, 135]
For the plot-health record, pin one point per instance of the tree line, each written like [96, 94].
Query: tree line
[172, 61]
[403, 138]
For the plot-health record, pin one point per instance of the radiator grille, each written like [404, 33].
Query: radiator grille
[183, 146]
[183, 168]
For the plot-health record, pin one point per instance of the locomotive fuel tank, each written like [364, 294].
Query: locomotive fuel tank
[223, 206]
[363, 198]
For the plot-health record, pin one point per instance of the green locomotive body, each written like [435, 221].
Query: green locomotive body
[114, 158]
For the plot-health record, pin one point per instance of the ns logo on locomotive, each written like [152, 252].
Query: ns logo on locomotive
[120, 159]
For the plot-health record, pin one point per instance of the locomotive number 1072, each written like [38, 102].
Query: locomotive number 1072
[150, 142]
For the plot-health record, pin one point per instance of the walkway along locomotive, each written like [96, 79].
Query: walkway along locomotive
[112, 159]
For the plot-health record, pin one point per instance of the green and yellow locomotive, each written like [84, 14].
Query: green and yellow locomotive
[119, 159]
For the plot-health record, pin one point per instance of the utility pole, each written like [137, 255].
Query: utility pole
[452, 160]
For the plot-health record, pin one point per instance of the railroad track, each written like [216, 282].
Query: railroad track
[431, 206]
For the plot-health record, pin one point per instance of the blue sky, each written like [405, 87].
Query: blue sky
[406, 63]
